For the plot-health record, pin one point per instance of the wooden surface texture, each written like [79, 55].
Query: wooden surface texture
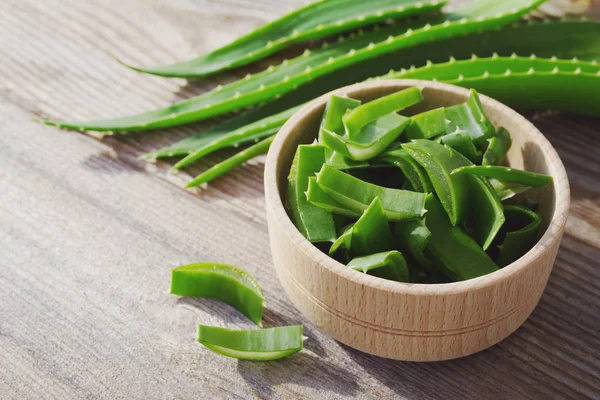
[88, 234]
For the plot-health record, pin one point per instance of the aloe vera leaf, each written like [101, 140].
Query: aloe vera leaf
[357, 118]
[343, 241]
[316, 20]
[564, 39]
[332, 121]
[275, 81]
[428, 124]
[372, 139]
[227, 283]
[232, 162]
[439, 161]
[315, 223]
[504, 173]
[521, 235]
[413, 237]
[461, 141]
[258, 344]
[387, 265]
[498, 147]
[505, 190]
[357, 195]
[561, 91]
[494, 65]
[315, 195]
[454, 252]
[263, 127]
[470, 117]
[371, 233]
[414, 173]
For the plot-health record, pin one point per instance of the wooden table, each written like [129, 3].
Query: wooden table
[89, 234]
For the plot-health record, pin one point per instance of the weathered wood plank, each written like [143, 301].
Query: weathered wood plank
[88, 234]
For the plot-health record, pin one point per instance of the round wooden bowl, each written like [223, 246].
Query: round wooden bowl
[405, 321]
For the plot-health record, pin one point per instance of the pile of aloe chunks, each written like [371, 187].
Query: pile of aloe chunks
[412, 199]
[478, 44]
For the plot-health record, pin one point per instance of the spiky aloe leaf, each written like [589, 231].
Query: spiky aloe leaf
[480, 16]
[564, 39]
[563, 85]
[316, 20]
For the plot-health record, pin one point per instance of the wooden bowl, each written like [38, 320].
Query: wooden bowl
[406, 321]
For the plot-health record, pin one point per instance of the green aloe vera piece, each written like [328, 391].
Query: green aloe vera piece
[439, 161]
[370, 141]
[469, 117]
[315, 223]
[315, 195]
[332, 121]
[413, 172]
[461, 141]
[505, 190]
[564, 39]
[505, 173]
[523, 228]
[357, 118]
[275, 81]
[227, 283]
[427, 124]
[357, 195]
[387, 265]
[371, 233]
[344, 240]
[316, 20]
[413, 237]
[454, 252]
[498, 147]
[232, 162]
[257, 345]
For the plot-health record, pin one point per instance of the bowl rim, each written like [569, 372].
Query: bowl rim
[553, 232]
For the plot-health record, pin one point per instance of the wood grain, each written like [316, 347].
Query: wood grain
[88, 234]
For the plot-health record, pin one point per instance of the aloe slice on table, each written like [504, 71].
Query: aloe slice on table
[257, 345]
[316, 20]
[227, 283]
[471, 18]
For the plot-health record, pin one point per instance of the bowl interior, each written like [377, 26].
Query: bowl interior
[530, 150]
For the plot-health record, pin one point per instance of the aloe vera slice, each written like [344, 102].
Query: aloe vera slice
[357, 195]
[506, 190]
[257, 345]
[498, 147]
[316, 20]
[427, 125]
[344, 241]
[227, 283]
[315, 223]
[524, 225]
[315, 195]
[357, 118]
[461, 141]
[439, 161]
[413, 172]
[371, 233]
[232, 162]
[370, 141]
[332, 121]
[413, 237]
[505, 173]
[387, 265]
[454, 252]
[484, 15]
